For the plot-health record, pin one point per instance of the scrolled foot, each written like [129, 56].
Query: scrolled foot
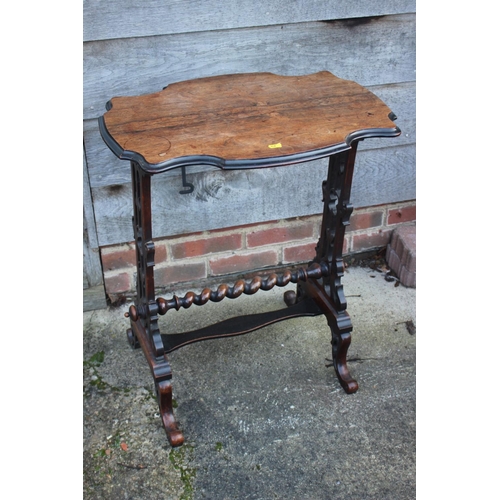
[340, 344]
[132, 339]
[164, 393]
[290, 298]
[346, 381]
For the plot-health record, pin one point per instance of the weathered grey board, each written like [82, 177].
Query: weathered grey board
[229, 198]
[91, 261]
[130, 18]
[384, 176]
[94, 296]
[92, 272]
[88, 211]
[371, 51]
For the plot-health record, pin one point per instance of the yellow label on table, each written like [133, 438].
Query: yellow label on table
[274, 146]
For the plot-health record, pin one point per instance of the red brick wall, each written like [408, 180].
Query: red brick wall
[222, 253]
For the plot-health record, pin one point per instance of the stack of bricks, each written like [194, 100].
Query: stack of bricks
[401, 254]
[225, 253]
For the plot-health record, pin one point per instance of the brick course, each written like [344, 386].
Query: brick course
[299, 253]
[207, 245]
[365, 220]
[243, 262]
[124, 257]
[186, 272]
[283, 234]
[251, 247]
[403, 214]
[367, 241]
[120, 258]
[117, 285]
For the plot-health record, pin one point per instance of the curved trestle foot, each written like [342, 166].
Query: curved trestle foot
[290, 298]
[164, 395]
[132, 339]
[340, 345]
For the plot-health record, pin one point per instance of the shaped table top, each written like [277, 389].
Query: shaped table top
[244, 121]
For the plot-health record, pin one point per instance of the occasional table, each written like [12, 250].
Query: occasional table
[244, 121]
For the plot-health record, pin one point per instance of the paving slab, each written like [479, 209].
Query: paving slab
[263, 415]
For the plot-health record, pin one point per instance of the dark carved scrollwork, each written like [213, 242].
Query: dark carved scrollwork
[340, 345]
[145, 253]
[336, 213]
[164, 396]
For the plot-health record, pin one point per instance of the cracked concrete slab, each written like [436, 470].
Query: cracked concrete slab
[262, 415]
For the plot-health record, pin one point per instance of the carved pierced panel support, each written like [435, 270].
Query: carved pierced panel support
[145, 253]
[337, 211]
[145, 331]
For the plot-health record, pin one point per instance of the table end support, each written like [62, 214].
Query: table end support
[340, 345]
[164, 395]
[132, 339]
[162, 376]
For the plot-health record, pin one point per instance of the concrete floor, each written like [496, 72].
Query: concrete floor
[262, 416]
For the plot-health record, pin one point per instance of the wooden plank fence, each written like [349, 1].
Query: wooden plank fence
[140, 47]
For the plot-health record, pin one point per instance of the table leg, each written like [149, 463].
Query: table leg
[330, 294]
[145, 331]
[336, 213]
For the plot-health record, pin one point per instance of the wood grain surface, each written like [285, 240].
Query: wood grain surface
[244, 117]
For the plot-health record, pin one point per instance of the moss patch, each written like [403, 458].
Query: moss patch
[181, 458]
[91, 365]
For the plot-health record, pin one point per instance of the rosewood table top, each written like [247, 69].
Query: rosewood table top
[244, 121]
